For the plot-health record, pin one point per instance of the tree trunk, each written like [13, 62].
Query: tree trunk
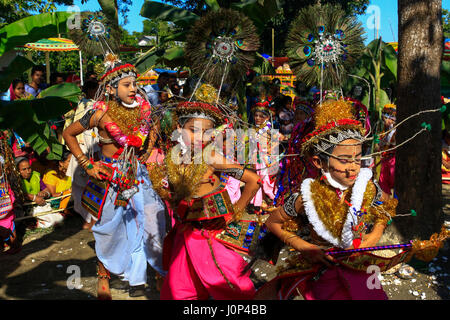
[418, 163]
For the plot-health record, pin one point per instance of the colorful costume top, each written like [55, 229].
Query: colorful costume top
[388, 139]
[128, 126]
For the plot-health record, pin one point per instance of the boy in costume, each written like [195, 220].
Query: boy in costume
[263, 148]
[131, 218]
[387, 142]
[342, 209]
[199, 265]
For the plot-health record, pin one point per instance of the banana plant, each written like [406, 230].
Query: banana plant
[378, 70]
[29, 118]
[16, 68]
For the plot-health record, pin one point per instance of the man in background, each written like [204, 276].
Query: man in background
[37, 81]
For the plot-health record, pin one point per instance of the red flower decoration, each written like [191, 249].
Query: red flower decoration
[53, 127]
[134, 141]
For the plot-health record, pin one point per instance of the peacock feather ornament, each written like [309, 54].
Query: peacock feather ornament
[323, 44]
[97, 35]
[221, 46]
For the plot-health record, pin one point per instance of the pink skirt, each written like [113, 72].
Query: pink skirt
[198, 271]
[340, 283]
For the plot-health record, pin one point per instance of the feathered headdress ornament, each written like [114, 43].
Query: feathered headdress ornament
[323, 44]
[97, 35]
[221, 46]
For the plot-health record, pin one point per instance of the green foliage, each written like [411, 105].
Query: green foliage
[15, 70]
[32, 125]
[378, 66]
[446, 21]
[32, 29]
[13, 10]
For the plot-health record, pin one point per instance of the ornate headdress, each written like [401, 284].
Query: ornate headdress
[390, 111]
[117, 70]
[303, 106]
[203, 107]
[334, 122]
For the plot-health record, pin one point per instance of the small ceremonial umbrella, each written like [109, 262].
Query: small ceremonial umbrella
[55, 44]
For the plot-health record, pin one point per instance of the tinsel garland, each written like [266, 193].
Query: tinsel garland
[333, 212]
[128, 126]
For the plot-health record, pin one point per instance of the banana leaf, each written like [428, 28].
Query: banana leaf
[29, 118]
[32, 28]
[109, 8]
[17, 67]
[262, 65]
[148, 60]
[164, 12]
[390, 59]
[213, 4]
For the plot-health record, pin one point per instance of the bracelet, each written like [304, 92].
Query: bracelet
[289, 237]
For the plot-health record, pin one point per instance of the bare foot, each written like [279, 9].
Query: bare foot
[103, 291]
[103, 276]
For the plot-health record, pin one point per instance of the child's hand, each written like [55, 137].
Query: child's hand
[315, 255]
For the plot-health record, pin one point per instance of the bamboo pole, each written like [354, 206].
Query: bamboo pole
[47, 66]
[48, 200]
[41, 214]
[273, 43]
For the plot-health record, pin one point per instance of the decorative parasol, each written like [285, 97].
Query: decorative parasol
[55, 44]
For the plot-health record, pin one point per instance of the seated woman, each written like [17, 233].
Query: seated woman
[57, 182]
[32, 185]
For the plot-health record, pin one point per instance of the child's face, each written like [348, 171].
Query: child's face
[345, 163]
[164, 96]
[194, 132]
[388, 122]
[260, 118]
[126, 90]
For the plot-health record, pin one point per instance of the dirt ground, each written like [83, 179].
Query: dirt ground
[51, 259]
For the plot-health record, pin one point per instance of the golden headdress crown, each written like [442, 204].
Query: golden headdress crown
[334, 122]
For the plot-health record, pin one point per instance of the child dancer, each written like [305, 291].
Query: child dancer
[199, 266]
[131, 225]
[341, 209]
[387, 173]
[261, 151]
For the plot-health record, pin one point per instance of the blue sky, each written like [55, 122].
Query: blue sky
[386, 10]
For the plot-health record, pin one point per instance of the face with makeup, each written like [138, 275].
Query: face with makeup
[196, 132]
[388, 122]
[126, 90]
[260, 118]
[344, 163]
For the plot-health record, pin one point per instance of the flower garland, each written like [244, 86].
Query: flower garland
[327, 225]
